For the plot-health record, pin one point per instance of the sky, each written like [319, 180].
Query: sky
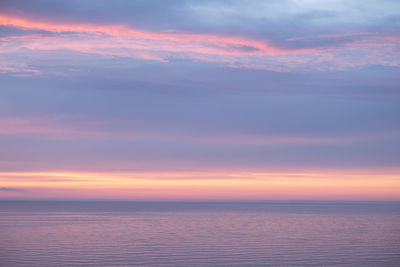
[200, 100]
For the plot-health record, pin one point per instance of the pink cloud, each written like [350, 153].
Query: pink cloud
[17, 68]
[65, 127]
[206, 43]
[232, 51]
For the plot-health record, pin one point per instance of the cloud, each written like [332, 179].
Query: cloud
[62, 127]
[208, 185]
[321, 52]
[17, 69]
[11, 189]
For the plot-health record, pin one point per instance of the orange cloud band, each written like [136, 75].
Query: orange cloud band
[203, 185]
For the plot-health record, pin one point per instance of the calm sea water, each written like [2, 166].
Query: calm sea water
[199, 234]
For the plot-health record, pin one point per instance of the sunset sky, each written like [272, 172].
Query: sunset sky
[200, 100]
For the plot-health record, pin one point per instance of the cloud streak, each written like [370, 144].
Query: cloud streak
[345, 51]
[207, 185]
[10, 189]
[61, 128]
[200, 43]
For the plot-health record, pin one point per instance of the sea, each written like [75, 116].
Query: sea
[265, 233]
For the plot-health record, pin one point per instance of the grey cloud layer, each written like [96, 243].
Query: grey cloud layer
[185, 115]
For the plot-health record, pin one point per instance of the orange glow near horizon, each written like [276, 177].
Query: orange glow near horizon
[201, 185]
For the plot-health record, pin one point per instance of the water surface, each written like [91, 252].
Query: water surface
[199, 234]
